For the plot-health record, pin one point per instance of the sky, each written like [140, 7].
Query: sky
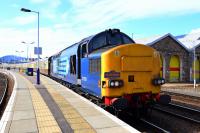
[64, 22]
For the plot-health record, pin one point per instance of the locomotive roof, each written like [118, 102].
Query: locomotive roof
[87, 40]
[98, 52]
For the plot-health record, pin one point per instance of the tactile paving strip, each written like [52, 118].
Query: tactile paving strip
[77, 123]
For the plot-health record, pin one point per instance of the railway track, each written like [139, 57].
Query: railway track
[181, 112]
[145, 125]
[154, 127]
[3, 90]
[3, 87]
[182, 95]
[184, 99]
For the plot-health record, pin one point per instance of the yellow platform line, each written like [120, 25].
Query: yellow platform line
[45, 121]
[76, 121]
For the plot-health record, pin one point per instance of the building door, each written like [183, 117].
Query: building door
[196, 70]
[174, 69]
[161, 66]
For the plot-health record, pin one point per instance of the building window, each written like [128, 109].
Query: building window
[94, 65]
[73, 64]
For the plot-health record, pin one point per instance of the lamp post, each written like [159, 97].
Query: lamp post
[27, 44]
[192, 42]
[194, 71]
[38, 69]
[19, 53]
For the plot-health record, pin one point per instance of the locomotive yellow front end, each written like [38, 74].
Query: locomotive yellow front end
[130, 74]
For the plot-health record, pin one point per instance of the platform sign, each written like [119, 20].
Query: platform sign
[38, 50]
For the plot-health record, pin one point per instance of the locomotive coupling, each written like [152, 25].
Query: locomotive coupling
[119, 103]
[163, 99]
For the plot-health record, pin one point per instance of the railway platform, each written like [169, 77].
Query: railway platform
[182, 88]
[51, 107]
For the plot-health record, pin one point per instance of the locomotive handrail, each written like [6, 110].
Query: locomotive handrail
[5, 89]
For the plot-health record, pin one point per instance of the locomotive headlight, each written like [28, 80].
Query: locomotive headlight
[158, 81]
[112, 84]
[163, 81]
[115, 83]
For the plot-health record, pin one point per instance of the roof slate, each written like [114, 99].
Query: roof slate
[155, 39]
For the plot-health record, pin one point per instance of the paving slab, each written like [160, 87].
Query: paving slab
[21, 107]
[23, 115]
[23, 126]
[88, 111]
[101, 121]
[112, 130]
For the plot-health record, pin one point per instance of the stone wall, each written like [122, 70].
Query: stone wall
[169, 47]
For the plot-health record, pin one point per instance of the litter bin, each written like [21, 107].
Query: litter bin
[29, 71]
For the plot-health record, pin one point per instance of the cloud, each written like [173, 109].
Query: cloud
[195, 31]
[49, 9]
[51, 40]
[109, 12]
[22, 20]
[84, 18]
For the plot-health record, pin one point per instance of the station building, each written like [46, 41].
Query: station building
[177, 56]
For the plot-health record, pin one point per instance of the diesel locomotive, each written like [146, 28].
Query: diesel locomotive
[111, 67]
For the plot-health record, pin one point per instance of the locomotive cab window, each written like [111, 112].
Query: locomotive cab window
[94, 65]
[84, 50]
[98, 42]
[114, 39]
[109, 38]
[73, 64]
[127, 40]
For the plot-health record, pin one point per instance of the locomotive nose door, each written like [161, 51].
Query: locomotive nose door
[137, 71]
[137, 63]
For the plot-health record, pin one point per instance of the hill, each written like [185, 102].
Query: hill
[12, 59]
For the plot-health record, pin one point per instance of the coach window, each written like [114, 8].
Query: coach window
[73, 64]
[58, 62]
[94, 65]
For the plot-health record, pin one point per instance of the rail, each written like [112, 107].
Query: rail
[184, 107]
[180, 112]
[154, 126]
[181, 94]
